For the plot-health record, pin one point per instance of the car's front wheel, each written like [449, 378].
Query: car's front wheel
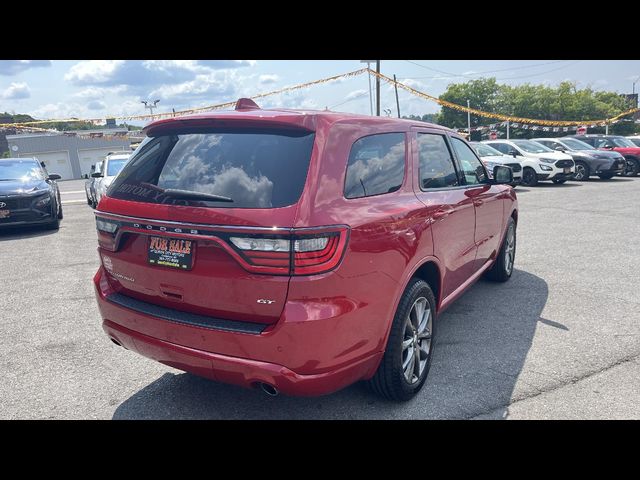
[632, 168]
[529, 177]
[503, 266]
[582, 172]
[407, 358]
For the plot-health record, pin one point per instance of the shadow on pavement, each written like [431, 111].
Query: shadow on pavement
[482, 343]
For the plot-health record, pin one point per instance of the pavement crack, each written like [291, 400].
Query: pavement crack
[627, 359]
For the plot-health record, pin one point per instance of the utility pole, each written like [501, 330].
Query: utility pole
[507, 129]
[378, 88]
[469, 119]
[150, 107]
[369, 62]
[606, 128]
[397, 101]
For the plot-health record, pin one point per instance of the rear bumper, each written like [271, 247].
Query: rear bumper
[270, 357]
[238, 371]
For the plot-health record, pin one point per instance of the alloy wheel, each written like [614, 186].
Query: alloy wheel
[416, 345]
[510, 250]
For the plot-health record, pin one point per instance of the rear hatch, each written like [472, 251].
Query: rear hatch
[200, 219]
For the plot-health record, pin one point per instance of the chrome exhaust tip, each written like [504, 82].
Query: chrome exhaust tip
[268, 389]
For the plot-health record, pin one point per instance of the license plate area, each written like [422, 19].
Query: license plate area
[175, 253]
[5, 213]
[567, 169]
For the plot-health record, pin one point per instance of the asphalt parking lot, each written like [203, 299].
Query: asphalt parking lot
[560, 340]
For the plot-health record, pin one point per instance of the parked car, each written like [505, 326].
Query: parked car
[298, 251]
[491, 157]
[89, 185]
[617, 143]
[588, 160]
[538, 162]
[635, 139]
[109, 169]
[28, 194]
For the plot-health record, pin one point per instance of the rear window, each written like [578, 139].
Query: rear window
[246, 169]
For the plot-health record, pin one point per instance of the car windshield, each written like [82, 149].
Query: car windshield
[574, 144]
[623, 142]
[486, 151]
[20, 170]
[635, 141]
[115, 165]
[531, 147]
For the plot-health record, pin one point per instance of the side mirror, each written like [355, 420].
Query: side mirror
[514, 153]
[608, 146]
[559, 148]
[54, 176]
[96, 175]
[502, 175]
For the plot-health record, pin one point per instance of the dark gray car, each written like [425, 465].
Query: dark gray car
[588, 161]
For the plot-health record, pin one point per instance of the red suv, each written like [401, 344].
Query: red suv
[297, 251]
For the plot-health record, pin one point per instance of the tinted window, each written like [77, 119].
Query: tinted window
[254, 169]
[436, 162]
[486, 150]
[589, 140]
[501, 147]
[472, 168]
[375, 166]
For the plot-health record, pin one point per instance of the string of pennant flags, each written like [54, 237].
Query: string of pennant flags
[544, 128]
[515, 122]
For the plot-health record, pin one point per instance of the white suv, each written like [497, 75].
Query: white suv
[111, 166]
[538, 161]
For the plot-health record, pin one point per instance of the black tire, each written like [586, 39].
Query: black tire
[89, 202]
[501, 271]
[632, 168]
[529, 177]
[60, 214]
[389, 380]
[559, 181]
[606, 176]
[582, 172]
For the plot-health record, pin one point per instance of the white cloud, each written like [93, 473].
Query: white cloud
[138, 75]
[356, 94]
[269, 78]
[16, 91]
[96, 105]
[13, 67]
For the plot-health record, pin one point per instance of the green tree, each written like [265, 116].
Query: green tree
[564, 102]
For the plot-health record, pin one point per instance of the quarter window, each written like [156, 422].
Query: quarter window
[375, 166]
[436, 162]
[472, 167]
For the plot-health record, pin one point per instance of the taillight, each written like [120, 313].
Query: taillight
[107, 231]
[296, 254]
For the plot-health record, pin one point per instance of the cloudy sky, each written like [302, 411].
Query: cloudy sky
[96, 88]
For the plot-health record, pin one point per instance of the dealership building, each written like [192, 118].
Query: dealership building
[70, 154]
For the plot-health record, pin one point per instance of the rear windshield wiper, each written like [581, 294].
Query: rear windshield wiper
[186, 194]
[190, 195]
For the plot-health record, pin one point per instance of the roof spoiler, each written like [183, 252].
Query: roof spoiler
[246, 104]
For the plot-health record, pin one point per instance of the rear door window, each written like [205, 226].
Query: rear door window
[245, 169]
[375, 165]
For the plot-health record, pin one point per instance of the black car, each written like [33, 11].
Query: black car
[28, 194]
[589, 161]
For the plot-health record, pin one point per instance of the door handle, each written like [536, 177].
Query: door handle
[442, 212]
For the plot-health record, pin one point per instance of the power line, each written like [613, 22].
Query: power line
[472, 76]
[349, 100]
